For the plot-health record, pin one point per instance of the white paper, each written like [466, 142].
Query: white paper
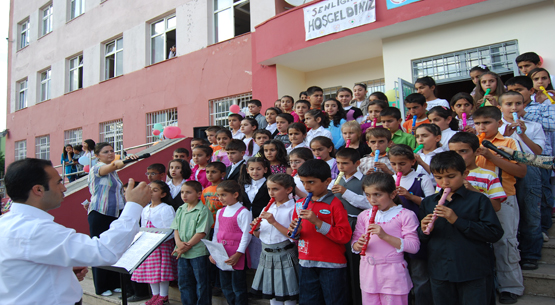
[217, 251]
[142, 243]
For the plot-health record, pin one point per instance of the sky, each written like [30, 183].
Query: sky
[4, 29]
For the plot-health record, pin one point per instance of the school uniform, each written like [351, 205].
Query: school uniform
[232, 172]
[175, 193]
[255, 198]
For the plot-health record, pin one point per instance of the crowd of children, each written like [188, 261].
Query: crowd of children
[348, 203]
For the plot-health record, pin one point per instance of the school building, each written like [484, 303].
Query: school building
[104, 69]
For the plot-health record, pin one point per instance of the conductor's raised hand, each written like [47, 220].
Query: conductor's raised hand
[139, 194]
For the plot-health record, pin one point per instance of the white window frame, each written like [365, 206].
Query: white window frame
[167, 27]
[75, 71]
[24, 30]
[331, 92]
[20, 152]
[219, 108]
[217, 10]
[166, 117]
[47, 19]
[42, 147]
[115, 56]
[45, 78]
[76, 8]
[373, 86]
[22, 96]
[112, 132]
[73, 136]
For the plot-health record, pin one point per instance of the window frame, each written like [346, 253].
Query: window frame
[47, 19]
[45, 83]
[114, 54]
[153, 118]
[73, 136]
[330, 92]
[79, 73]
[20, 150]
[42, 148]
[116, 134]
[152, 36]
[215, 11]
[72, 11]
[219, 108]
[24, 33]
[22, 103]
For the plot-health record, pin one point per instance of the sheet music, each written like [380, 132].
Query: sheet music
[218, 253]
[143, 242]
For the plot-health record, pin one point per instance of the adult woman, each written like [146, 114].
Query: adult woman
[360, 101]
[67, 157]
[88, 148]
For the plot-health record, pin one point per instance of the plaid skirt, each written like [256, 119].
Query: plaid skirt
[160, 266]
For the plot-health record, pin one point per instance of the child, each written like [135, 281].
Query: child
[297, 136]
[178, 171]
[463, 102]
[428, 135]
[345, 96]
[155, 172]
[159, 268]
[296, 158]
[191, 224]
[287, 104]
[181, 153]
[443, 118]
[393, 233]
[215, 173]
[254, 108]
[322, 148]
[360, 101]
[465, 273]
[271, 116]
[261, 136]
[509, 274]
[201, 156]
[194, 143]
[277, 104]
[303, 95]
[541, 78]
[391, 119]
[527, 62]
[336, 116]
[378, 139]
[377, 95]
[427, 86]
[352, 132]
[317, 121]
[416, 104]
[273, 279]
[248, 127]
[302, 107]
[236, 154]
[283, 120]
[375, 107]
[475, 74]
[322, 237]
[223, 137]
[232, 230]
[493, 82]
[211, 135]
[276, 155]
[315, 97]
[234, 121]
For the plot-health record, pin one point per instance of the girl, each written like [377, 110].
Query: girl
[287, 104]
[337, 118]
[317, 121]
[322, 148]
[443, 118]
[178, 171]
[360, 101]
[475, 74]
[67, 157]
[223, 137]
[393, 233]
[463, 102]
[273, 279]
[345, 96]
[430, 136]
[296, 158]
[159, 268]
[276, 155]
[353, 133]
[492, 81]
[88, 148]
[379, 96]
[541, 77]
[297, 136]
[232, 230]
[427, 86]
[375, 107]
[277, 104]
[271, 115]
[261, 136]
[248, 126]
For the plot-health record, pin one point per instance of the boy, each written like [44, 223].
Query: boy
[391, 119]
[458, 250]
[416, 104]
[509, 275]
[283, 120]
[527, 62]
[349, 191]
[377, 139]
[301, 107]
[234, 121]
[211, 135]
[181, 153]
[315, 97]
[192, 223]
[235, 150]
[201, 156]
[271, 115]
[155, 172]
[254, 108]
[322, 235]
[261, 136]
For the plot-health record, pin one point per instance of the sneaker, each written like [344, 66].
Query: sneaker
[545, 237]
[135, 298]
[529, 264]
[162, 301]
[106, 293]
[117, 290]
[507, 298]
[153, 300]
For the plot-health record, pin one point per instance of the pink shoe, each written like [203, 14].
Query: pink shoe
[162, 301]
[153, 300]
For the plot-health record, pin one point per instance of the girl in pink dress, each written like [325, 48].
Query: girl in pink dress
[384, 277]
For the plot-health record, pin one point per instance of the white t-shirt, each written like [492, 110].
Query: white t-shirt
[445, 137]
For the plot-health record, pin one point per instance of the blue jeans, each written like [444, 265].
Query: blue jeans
[193, 281]
[234, 286]
[547, 200]
[529, 196]
[323, 286]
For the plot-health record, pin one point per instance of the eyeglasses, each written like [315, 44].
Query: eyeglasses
[151, 174]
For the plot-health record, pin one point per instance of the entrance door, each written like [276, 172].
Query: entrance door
[402, 89]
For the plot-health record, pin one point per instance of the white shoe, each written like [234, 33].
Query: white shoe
[107, 293]
[545, 237]
[117, 290]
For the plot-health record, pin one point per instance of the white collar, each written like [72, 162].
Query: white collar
[258, 183]
[29, 210]
[357, 175]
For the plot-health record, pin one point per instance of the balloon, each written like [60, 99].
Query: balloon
[171, 132]
[241, 113]
[391, 96]
[180, 136]
[234, 108]
[117, 157]
[84, 160]
[86, 168]
[158, 126]
[155, 132]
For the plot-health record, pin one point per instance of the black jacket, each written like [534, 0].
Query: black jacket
[260, 201]
[235, 174]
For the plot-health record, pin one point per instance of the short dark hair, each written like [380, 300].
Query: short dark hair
[22, 175]
[509, 93]
[195, 185]
[348, 153]
[307, 103]
[461, 96]
[345, 89]
[255, 102]
[274, 109]
[490, 112]
[522, 80]
[528, 56]
[206, 149]
[447, 160]
[363, 85]
[303, 93]
[99, 146]
[466, 138]
[316, 168]
[378, 133]
[78, 147]
[185, 169]
[313, 89]
[426, 80]
[380, 95]
[235, 115]
[298, 126]
[287, 116]
[181, 150]
[262, 131]
[415, 98]
[392, 112]
[203, 141]
[217, 165]
[237, 145]
[213, 128]
[159, 167]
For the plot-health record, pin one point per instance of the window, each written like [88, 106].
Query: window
[20, 150]
[374, 85]
[76, 8]
[451, 67]
[330, 92]
[76, 73]
[46, 20]
[112, 132]
[22, 98]
[231, 18]
[219, 108]
[73, 136]
[45, 85]
[113, 59]
[24, 34]
[164, 117]
[162, 38]
[42, 147]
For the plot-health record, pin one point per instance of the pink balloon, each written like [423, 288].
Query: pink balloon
[156, 132]
[171, 132]
[86, 168]
[234, 108]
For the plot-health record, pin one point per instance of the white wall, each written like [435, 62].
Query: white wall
[290, 81]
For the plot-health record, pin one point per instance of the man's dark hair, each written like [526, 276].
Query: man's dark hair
[159, 167]
[522, 80]
[311, 90]
[348, 153]
[528, 56]
[255, 102]
[466, 138]
[415, 98]
[22, 175]
[315, 168]
[181, 150]
[219, 166]
[392, 112]
[447, 160]
[490, 112]
[237, 145]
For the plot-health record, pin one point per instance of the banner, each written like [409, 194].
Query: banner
[397, 3]
[332, 16]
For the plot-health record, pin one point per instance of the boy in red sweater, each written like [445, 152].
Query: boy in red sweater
[322, 235]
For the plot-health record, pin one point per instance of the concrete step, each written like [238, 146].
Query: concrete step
[534, 300]
[540, 282]
[548, 252]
